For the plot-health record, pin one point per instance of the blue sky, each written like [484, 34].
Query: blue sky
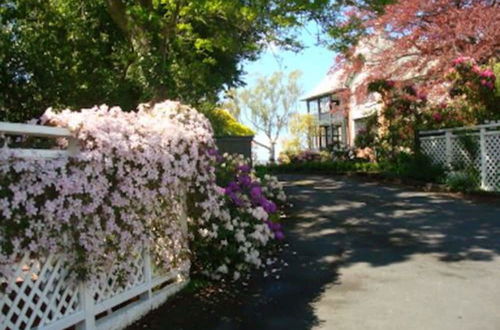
[314, 62]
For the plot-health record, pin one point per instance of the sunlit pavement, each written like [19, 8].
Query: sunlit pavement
[412, 260]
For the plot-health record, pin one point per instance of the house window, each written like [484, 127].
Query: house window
[324, 104]
[359, 124]
[336, 134]
[313, 106]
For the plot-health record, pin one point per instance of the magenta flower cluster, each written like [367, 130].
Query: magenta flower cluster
[463, 60]
[486, 76]
[246, 192]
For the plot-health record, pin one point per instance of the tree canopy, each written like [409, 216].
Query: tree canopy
[79, 53]
[422, 37]
[303, 129]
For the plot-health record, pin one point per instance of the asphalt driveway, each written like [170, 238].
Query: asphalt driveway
[412, 260]
[362, 255]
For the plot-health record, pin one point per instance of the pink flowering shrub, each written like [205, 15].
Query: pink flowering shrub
[473, 97]
[473, 92]
[124, 191]
[301, 156]
[120, 193]
[399, 119]
[242, 238]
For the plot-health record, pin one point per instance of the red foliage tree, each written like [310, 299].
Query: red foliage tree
[425, 36]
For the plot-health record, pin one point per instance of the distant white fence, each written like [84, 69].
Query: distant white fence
[476, 146]
[40, 294]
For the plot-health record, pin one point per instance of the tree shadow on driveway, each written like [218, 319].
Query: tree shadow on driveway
[380, 225]
[335, 222]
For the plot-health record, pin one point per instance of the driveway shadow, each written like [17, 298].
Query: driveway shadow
[380, 225]
[336, 221]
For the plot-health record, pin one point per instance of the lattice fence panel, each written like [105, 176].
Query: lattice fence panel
[435, 148]
[38, 293]
[459, 148]
[466, 153]
[463, 155]
[111, 284]
[492, 162]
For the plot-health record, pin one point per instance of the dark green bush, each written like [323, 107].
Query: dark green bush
[337, 167]
[413, 166]
[466, 180]
[403, 165]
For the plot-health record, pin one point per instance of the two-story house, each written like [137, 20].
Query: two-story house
[332, 126]
[338, 122]
[339, 119]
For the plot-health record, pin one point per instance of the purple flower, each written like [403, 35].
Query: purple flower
[244, 180]
[244, 168]
[213, 152]
[274, 226]
[256, 193]
[237, 201]
[232, 187]
[279, 235]
[269, 206]
[270, 225]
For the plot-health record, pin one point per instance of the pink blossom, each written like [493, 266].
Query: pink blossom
[488, 73]
[437, 116]
[463, 60]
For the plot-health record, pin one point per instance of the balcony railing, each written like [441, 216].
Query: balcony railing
[327, 118]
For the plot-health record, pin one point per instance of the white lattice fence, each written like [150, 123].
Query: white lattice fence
[482, 150]
[435, 147]
[492, 160]
[40, 293]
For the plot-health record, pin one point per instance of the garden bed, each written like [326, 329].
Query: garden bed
[373, 172]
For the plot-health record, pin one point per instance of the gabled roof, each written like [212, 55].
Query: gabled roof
[333, 81]
[337, 79]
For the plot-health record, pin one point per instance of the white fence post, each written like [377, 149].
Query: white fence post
[88, 307]
[482, 144]
[449, 155]
[148, 272]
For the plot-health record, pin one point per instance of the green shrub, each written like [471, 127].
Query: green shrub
[224, 124]
[413, 166]
[336, 167]
[465, 180]
[403, 165]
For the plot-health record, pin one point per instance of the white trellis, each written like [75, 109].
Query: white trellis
[40, 294]
[445, 147]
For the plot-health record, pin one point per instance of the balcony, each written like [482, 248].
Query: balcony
[327, 118]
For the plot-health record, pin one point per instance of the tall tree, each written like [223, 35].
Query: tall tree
[61, 53]
[269, 104]
[81, 52]
[303, 128]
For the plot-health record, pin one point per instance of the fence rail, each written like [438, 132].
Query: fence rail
[475, 146]
[41, 293]
[15, 129]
